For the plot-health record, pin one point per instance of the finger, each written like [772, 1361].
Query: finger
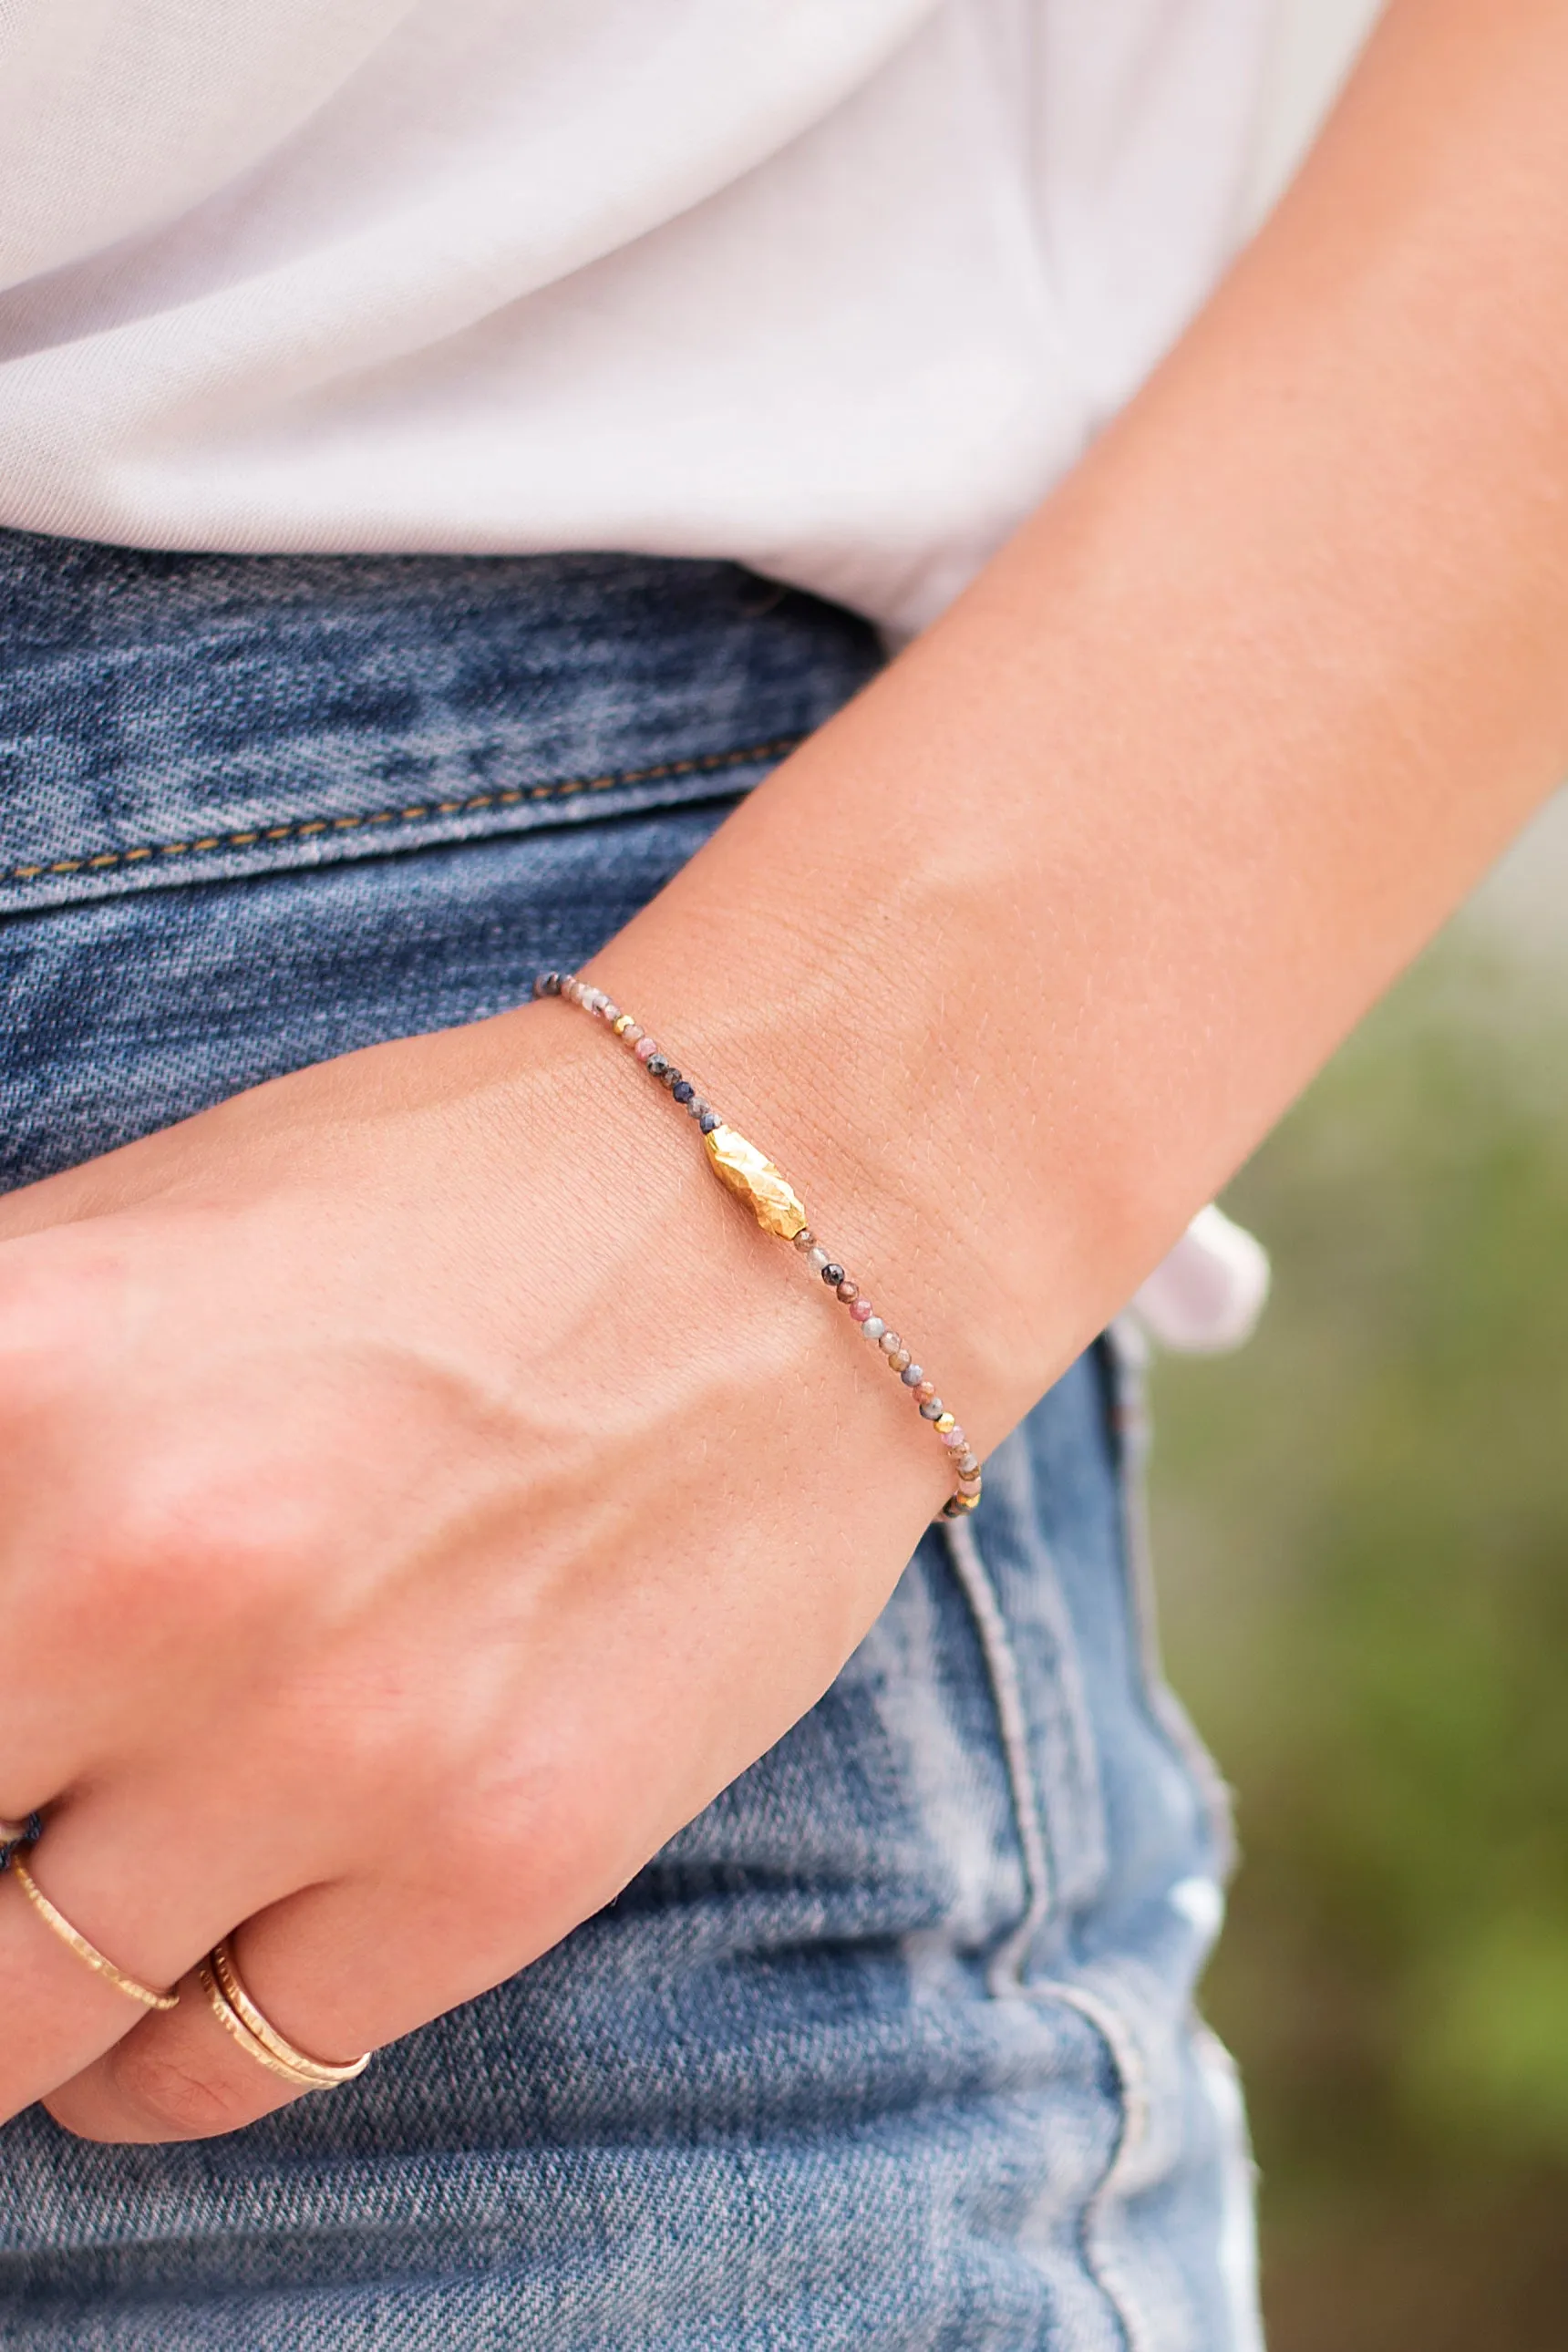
[340, 1968]
[197, 2078]
[150, 1887]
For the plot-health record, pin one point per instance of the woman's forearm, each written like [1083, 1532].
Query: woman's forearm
[1017, 959]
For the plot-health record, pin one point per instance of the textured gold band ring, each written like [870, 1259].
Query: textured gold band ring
[257, 2036]
[77, 1943]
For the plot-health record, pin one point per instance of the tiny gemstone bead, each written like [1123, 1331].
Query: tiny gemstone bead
[952, 1509]
[683, 1090]
[646, 1049]
[819, 1260]
[849, 1291]
[805, 1240]
[630, 1033]
[944, 1423]
[890, 1341]
[655, 1066]
[710, 1120]
[833, 1274]
[898, 1361]
[873, 1328]
[607, 1011]
[930, 1409]
[969, 1485]
[861, 1311]
[697, 1108]
[968, 1466]
[911, 1375]
[924, 1390]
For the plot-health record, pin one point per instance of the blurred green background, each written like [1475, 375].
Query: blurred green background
[1361, 1530]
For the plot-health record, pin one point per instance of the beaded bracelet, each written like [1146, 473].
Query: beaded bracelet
[746, 1170]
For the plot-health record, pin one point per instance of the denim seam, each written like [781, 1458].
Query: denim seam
[1004, 1973]
[305, 828]
[1127, 2059]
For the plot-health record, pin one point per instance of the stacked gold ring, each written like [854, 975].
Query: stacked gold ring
[257, 2035]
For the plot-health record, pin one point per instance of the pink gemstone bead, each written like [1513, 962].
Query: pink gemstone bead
[954, 1439]
[646, 1049]
[924, 1392]
[631, 1034]
[861, 1311]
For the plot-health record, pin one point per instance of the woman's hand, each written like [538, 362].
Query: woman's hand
[424, 1489]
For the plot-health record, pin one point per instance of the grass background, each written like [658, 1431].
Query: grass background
[1362, 1529]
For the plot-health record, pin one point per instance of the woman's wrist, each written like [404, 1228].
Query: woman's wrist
[750, 1174]
[858, 1049]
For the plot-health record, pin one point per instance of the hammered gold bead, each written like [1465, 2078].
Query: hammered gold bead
[749, 1172]
[621, 1023]
[944, 1422]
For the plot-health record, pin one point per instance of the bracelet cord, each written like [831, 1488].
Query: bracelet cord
[749, 1172]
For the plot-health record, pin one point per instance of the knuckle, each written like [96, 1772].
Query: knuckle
[195, 1529]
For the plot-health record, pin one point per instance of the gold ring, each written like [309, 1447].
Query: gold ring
[79, 1944]
[257, 2036]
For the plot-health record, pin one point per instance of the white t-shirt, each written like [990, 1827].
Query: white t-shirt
[836, 288]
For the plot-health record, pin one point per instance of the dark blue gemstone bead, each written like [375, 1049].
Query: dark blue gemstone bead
[833, 1276]
[683, 1090]
[655, 1066]
[708, 1121]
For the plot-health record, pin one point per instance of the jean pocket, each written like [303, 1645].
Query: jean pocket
[124, 1014]
[175, 719]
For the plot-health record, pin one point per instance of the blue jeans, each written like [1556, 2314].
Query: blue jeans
[894, 2046]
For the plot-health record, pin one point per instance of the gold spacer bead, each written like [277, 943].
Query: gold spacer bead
[621, 1023]
[966, 1502]
[944, 1422]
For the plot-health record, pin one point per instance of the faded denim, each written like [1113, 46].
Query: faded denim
[894, 2046]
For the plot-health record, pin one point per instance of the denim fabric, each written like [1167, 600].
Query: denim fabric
[894, 2046]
